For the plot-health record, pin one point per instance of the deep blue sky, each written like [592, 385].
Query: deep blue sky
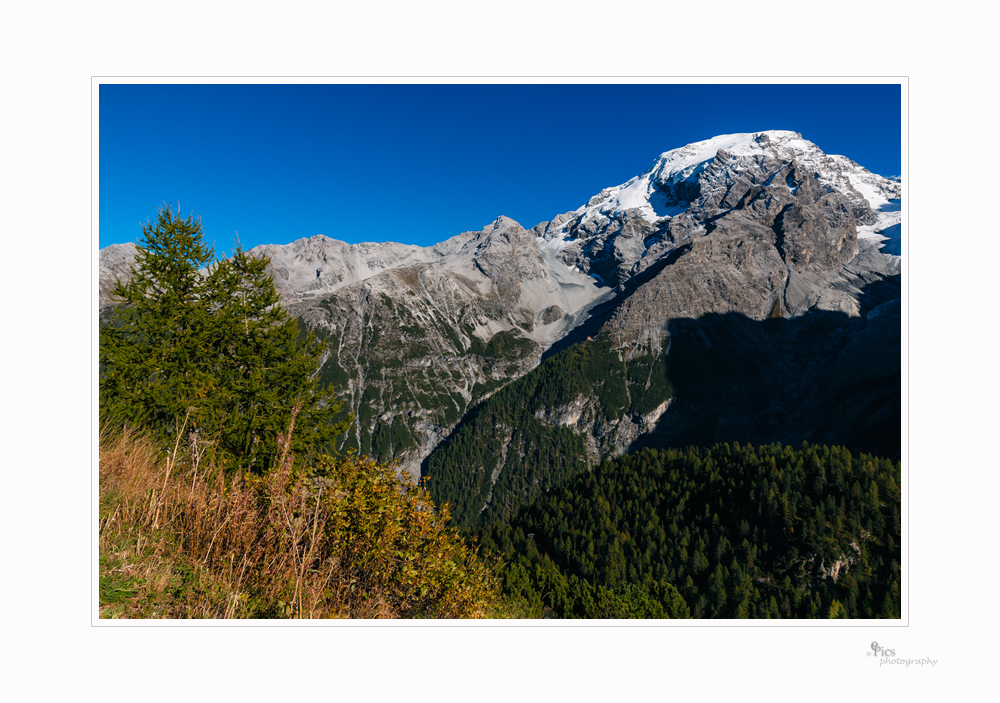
[421, 163]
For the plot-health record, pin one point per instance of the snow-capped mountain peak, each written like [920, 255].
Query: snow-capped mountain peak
[660, 192]
[646, 192]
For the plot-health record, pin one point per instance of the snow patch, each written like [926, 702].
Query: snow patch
[554, 245]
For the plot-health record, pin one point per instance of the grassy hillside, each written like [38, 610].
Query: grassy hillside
[179, 538]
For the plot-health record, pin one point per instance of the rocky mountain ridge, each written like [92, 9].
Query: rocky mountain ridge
[761, 225]
[768, 301]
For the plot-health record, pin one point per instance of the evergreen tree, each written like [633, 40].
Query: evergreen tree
[725, 548]
[213, 350]
[149, 352]
[262, 367]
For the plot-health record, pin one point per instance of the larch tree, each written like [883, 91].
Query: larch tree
[207, 346]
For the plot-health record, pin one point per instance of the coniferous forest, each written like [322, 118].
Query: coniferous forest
[735, 531]
[469, 471]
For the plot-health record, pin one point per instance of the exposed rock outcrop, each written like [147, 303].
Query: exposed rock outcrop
[115, 265]
[758, 226]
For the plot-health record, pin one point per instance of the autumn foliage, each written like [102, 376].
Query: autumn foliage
[346, 539]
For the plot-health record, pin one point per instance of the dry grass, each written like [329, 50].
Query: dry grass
[180, 539]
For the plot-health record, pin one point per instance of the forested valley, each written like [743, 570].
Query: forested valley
[735, 531]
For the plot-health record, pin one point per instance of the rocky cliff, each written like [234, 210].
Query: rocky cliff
[751, 227]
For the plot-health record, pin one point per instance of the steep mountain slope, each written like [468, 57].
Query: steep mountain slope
[415, 335]
[749, 227]
[412, 347]
[766, 303]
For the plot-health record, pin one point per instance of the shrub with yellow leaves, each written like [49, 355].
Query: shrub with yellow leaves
[347, 538]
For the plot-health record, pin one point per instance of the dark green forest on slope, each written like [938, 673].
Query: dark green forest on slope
[502, 455]
[739, 532]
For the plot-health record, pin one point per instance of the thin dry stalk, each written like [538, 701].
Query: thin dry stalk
[170, 460]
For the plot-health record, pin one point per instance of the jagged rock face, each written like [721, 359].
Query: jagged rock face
[503, 262]
[756, 225]
[623, 230]
[412, 347]
[736, 268]
[770, 224]
[410, 350]
[611, 247]
[317, 266]
[604, 436]
[508, 256]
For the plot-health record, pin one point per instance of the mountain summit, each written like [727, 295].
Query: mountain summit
[703, 173]
[624, 228]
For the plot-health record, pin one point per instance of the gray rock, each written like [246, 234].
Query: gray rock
[765, 226]
[115, 264]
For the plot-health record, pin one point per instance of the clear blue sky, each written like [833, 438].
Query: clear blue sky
[421, 163]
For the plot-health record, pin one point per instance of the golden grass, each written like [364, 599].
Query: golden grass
[182, 539]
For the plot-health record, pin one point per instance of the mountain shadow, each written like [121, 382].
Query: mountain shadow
[823, 377]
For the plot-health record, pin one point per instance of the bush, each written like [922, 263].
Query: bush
[182, 538]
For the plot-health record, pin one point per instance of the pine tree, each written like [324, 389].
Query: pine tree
[214, 350]
[837, 610]
[149, 353]
[263, 368]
